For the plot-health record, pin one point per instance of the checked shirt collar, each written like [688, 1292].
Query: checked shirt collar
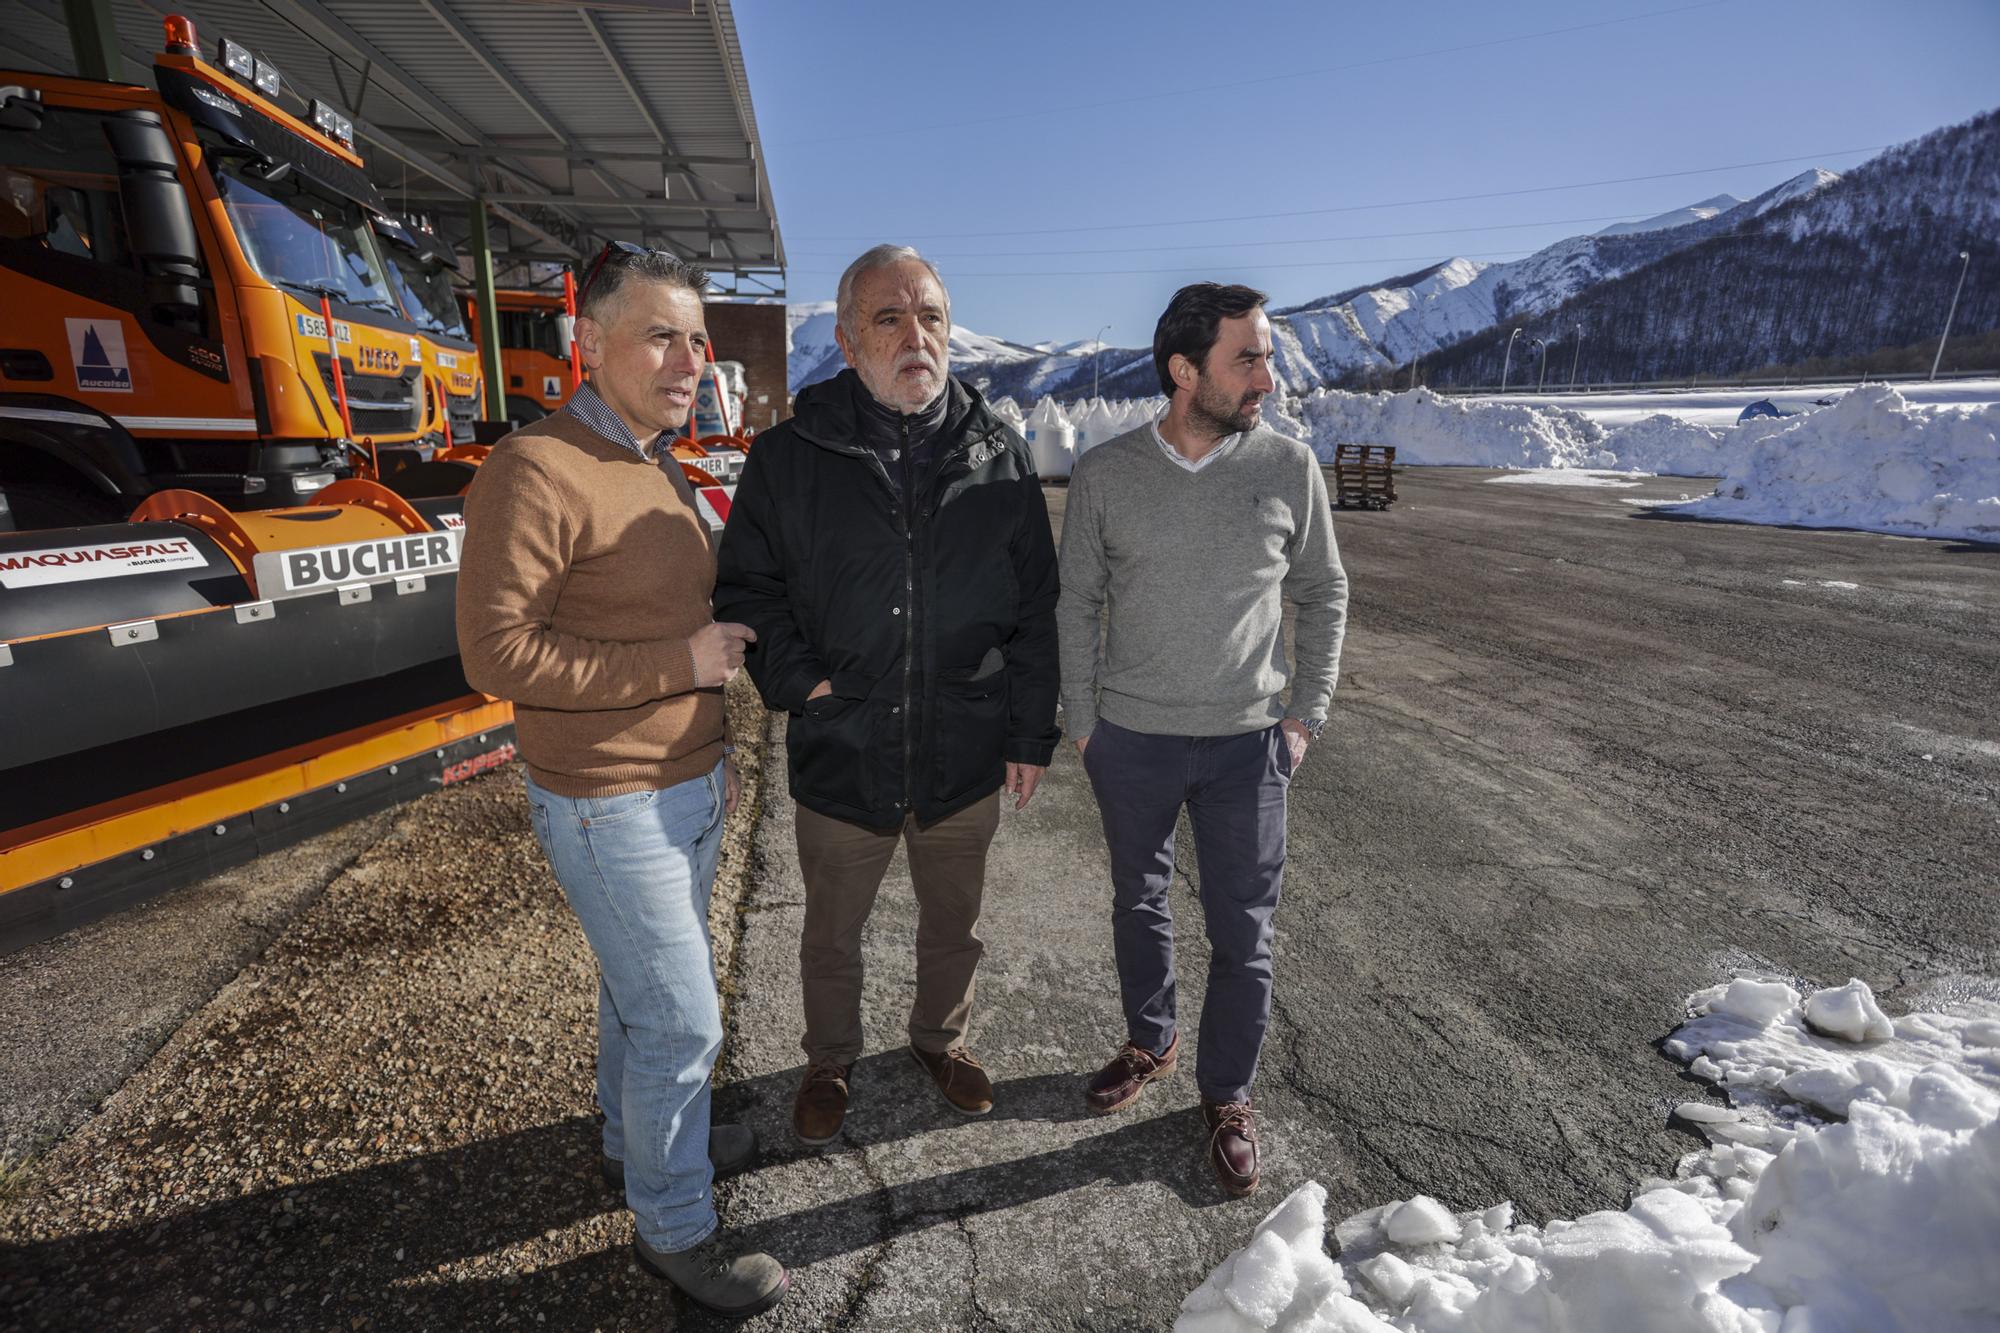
[593, 412]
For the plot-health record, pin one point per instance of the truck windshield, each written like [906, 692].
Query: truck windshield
[425, 291]
[300, 238]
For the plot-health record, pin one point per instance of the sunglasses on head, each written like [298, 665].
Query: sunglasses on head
[597, 264]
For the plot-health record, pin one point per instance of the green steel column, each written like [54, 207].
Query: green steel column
[93, 38]
[489, 315]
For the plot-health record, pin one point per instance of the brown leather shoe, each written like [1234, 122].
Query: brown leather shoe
[959, 1078]
[1232, 1145]
[1118, 1084]
[821, 1104]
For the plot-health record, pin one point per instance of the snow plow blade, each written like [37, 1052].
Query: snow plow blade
[186, 691]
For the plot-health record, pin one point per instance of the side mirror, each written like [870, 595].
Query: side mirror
[20, 108]
[158, 222]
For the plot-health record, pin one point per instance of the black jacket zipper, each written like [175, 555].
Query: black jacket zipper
[909, 507]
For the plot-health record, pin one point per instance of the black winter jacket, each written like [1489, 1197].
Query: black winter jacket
[934, 618]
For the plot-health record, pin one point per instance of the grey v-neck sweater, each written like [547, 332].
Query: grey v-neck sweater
[1194, 568]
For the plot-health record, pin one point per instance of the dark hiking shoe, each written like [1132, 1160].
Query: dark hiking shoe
[821, 1105]
[718, 1276]
[959, 1078]
[1118, 1084]
[1232, 1145]
[731, 1148]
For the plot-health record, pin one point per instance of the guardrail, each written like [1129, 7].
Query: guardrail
[1699, 382]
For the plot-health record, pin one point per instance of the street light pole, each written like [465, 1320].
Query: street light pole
[1542, 378]
[1964, 262]
[1574, 356]
[1508, 364]
[1097, 355]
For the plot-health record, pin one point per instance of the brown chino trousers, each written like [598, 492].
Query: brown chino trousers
[843, 865]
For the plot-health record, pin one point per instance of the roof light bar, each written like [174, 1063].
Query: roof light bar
[267, 78]
[237, 60]
[331, 123]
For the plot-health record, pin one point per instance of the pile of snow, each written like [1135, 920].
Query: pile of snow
[1870, 461]
[1431, 431]
[1671, 446]
[1853, 1186]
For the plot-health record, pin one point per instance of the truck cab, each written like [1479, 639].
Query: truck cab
[535, 334]
[421, 267]
[196, 295]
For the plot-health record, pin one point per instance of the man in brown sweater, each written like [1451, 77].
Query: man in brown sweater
[583, 597]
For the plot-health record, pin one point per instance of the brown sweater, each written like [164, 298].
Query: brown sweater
[584, 573]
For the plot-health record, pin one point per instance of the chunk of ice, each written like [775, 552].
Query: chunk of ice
[1265, 1280]
[1848, 1012]
[1422, 1221]
[1761, 1003]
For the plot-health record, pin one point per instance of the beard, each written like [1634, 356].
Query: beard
[1217, 411]
[893, 389]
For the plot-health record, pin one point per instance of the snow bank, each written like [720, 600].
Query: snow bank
[1670, 446]
[1870, 461]
[1793, 1220]
[1430, 431]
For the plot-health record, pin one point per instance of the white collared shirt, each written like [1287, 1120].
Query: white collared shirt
[1222, 446]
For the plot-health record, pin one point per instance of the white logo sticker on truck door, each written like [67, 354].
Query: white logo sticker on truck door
[551, 386]
[97, 350]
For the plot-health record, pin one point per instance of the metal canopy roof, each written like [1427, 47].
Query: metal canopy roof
[580, 120]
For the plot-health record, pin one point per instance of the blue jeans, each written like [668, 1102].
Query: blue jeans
[637, 870]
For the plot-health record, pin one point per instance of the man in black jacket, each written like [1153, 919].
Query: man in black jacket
[890, 546]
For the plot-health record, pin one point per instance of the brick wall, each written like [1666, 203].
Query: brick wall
[754, 335]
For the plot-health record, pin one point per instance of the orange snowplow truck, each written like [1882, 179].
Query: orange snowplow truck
[196, 295]
[536, 330]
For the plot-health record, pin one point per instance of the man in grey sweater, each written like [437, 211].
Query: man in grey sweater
[1192, 532]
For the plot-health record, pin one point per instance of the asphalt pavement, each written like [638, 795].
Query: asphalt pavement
[1584, 760]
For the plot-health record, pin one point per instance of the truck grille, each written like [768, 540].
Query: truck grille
[379, 404]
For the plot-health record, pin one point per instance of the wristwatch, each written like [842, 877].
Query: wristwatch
[1313, 725]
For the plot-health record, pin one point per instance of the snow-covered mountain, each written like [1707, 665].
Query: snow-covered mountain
[1716, 286]
[1700, 212]
[1822, 266]
[1382, 324]
[810, 351]
[1388, 325]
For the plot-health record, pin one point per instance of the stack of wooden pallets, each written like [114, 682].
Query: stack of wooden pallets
[1362, 475]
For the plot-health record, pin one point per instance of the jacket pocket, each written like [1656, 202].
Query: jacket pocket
[970, 734]
[827, 749]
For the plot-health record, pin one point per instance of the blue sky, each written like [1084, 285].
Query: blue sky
[1059, 128]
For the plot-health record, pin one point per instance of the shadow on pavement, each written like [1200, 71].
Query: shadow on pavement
[358, 1244]
[366, 1245]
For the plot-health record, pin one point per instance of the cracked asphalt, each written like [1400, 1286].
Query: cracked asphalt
[1583, 761]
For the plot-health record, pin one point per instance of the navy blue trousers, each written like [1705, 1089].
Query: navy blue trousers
[1234, 790]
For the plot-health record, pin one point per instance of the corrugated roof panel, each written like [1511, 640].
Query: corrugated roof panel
[687, 66]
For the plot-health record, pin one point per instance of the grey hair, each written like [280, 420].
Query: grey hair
[620, 267]
[880, 256]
